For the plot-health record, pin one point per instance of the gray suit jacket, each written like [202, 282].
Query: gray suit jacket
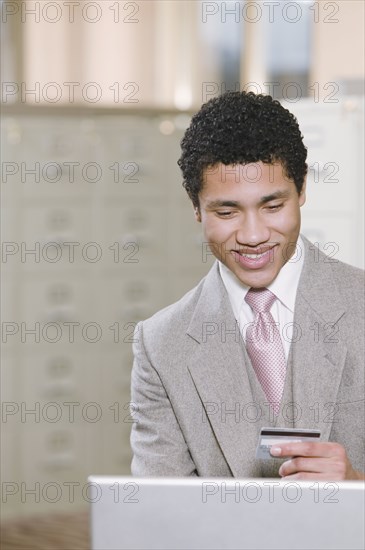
[192, 401]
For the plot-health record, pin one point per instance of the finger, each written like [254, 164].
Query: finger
[300, 464]
[307, 448]
[333, 469]
[311, 476]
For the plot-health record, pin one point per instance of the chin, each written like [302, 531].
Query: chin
[256, 280]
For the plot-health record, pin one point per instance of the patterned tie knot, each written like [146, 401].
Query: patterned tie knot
[260, 299]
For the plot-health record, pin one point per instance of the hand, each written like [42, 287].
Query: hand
[315, 460]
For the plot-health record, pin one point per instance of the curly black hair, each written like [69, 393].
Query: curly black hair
[240, 128]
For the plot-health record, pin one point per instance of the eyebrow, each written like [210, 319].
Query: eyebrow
[218, 203]
[234, 204]
[275, 196]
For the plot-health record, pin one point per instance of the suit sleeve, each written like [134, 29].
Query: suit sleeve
[157, 442]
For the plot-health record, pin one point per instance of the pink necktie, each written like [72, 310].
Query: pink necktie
[264, 346]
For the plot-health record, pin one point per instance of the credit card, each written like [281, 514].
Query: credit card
[274, 436]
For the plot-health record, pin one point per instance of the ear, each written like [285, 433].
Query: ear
[197, 214]
[302, 195]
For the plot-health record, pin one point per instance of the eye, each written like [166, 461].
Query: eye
[274, 207]
[225, 213]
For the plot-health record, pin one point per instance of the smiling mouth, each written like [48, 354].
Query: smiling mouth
[253, 256]
[257, 259]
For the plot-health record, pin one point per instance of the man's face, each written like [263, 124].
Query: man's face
[251, 219]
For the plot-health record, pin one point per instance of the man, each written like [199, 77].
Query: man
[272, 336]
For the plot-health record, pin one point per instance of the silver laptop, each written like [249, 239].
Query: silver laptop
[213, 513]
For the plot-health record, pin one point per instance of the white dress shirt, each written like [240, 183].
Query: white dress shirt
[284, 287]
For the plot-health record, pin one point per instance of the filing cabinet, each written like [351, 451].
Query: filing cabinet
[89, 201]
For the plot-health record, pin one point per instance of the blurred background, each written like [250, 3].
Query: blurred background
[97, 231]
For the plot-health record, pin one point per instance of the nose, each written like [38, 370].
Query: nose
[252, 230]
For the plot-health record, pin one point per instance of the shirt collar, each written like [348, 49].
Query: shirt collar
[284, 286]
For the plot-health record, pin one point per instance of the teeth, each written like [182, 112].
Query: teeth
[252, 256]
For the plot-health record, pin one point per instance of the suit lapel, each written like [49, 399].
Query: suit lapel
[318, 355]
[219, 371]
